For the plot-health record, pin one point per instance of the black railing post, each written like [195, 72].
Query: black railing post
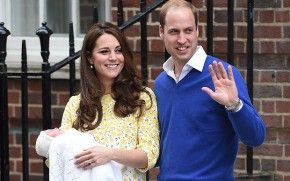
[120, 13]
[144, 46]
[230, 56]
[144, 51]
[95, 15]
[250, 49]
[44, 33]
[24, 113]
[4, 141]
[209, 27]
[72, 66]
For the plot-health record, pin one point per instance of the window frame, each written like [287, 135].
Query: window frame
[58, 45]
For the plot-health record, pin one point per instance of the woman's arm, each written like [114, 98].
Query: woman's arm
[135, 158]
[100, 155]
[145, 154]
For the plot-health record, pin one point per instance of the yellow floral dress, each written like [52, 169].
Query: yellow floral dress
[127, 133]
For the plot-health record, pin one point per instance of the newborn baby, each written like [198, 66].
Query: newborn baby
[61, 149]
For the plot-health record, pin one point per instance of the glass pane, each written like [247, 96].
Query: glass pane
[58, 15]
[24, 17]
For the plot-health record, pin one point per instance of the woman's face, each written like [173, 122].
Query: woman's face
[107, 58]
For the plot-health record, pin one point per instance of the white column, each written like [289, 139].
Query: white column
[42, 11]
[104, 10]
[75, 13]
[108, 10]
[5, 13]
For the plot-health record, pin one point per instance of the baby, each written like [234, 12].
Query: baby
[60, 147]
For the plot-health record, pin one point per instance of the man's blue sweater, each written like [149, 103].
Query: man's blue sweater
[199, 138]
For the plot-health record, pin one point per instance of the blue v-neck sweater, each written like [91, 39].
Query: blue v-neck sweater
[199, 138]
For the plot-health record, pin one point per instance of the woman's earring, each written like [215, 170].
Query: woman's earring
[92, 67]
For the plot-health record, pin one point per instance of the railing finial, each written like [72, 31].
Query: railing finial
[44, 33]
[4, 33]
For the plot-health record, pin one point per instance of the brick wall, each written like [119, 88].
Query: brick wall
[60, 95]
[271, 81]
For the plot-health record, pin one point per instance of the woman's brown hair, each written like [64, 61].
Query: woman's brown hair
[126, 87]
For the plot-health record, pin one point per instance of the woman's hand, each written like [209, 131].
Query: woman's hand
[100, 155]
[91, 157]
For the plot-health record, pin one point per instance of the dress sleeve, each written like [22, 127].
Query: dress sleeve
[70, 113]
[148, 134]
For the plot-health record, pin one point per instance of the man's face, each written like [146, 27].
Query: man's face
[179, 34]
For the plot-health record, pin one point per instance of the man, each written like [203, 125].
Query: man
[204, 109]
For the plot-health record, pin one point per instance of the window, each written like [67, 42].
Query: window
[22, 12]
[58, 15]
[23, 17]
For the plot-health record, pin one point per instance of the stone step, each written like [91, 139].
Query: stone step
[254, 177]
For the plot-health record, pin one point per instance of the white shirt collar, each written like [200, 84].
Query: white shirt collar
[196, 61]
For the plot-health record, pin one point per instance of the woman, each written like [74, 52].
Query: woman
[113, 106]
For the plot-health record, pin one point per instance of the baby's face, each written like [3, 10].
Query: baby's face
[54, 132]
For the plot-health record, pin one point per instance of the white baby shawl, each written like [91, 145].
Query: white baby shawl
[61, 153]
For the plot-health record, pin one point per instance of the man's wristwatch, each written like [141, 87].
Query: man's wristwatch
[236, 106]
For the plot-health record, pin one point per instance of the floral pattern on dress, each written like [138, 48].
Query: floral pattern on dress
[126, 133]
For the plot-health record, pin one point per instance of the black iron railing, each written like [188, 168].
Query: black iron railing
[44, 34]
[4, 141]
[250, 72]
[24, 112]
